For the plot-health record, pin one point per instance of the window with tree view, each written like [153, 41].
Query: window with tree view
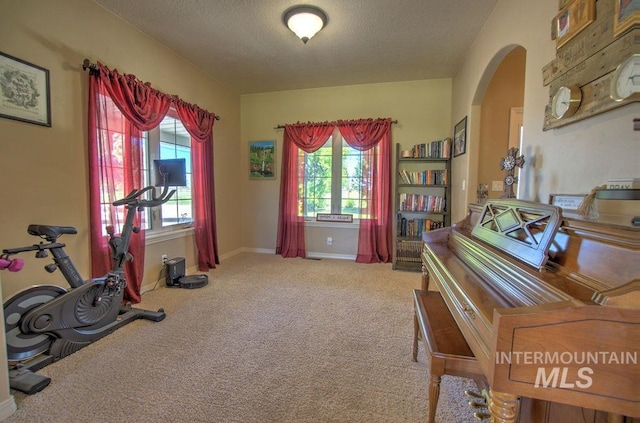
[333, 180]
[172, 141]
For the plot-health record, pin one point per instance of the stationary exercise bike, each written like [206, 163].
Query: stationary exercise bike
[45, 323]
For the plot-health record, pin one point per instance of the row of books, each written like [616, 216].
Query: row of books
[408, 251]
[415, 227]
[421, 203]
[426, 177]
[432, 150]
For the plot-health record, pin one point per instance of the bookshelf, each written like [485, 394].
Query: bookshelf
[422, 192]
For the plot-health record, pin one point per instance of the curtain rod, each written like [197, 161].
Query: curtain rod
[282, 126]
[86, 64]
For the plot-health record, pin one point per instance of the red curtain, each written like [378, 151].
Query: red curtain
[373, 138]
[308, 137]
[120, 108]
[199, 124]
[143, 106]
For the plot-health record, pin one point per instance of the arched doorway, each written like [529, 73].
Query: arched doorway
[498, 109]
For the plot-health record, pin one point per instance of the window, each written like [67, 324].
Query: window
[170, 141]
[333, 180]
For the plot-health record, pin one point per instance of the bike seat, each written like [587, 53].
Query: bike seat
[50, 233]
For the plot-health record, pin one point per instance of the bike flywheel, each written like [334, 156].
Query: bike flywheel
[20, 345]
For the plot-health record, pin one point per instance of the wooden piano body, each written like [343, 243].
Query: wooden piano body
[549, 305]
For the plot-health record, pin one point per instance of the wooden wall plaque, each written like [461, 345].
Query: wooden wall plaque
[588, 60]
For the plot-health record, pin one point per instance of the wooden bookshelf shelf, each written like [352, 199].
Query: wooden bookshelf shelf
[422, 193]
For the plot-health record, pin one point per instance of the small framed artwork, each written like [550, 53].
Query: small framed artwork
[262, 159]
[626, 15]
[460, 138]
[567, 202]
[24, 91]
[572, 19]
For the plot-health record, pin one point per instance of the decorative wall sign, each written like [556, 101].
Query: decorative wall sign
[262, 159]
[572, 19]
[24, 91]
[460, 138]
[567, 202]
[334, 217]
[626, 15]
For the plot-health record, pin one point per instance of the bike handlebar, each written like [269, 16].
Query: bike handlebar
[133, 198]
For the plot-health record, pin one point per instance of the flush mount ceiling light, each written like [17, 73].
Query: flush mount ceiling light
[305, 21]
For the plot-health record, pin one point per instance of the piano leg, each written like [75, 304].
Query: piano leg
[504, 408]
[416, 335]
[434, 394]
[615, 418]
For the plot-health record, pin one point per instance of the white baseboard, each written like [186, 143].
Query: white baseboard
[258, 250]
[233, 253]
[310, 254]
[313, 255]
[7, 407]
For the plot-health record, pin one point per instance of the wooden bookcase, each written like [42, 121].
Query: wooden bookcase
[422, 195]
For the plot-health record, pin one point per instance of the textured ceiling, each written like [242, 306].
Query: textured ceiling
[245, 45]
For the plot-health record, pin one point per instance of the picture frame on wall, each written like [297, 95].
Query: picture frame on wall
[262, 159]
[460, 138]
[24, 91]
[572, 19]
[626, 14]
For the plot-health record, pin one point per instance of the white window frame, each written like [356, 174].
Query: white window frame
[336, 188]
[156, 232]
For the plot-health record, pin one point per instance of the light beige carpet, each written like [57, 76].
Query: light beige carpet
[268, 340]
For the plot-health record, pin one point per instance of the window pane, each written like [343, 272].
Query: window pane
[316, 188]
[175, 143]
[352, 181]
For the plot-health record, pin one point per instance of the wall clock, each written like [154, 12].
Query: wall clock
[626, 79]
[566, 101]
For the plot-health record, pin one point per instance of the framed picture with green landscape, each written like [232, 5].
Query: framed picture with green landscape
[262, 159]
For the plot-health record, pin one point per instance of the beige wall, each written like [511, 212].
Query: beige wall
[572, 159]
[44, 170]
[421, 107]
[506, 90]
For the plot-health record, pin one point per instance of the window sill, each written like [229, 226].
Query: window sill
[316, 224]
[162, 236]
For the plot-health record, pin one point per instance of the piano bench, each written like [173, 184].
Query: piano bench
[448, 351]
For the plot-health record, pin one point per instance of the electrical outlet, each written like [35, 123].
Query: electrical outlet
[329, 240]
[497, 186]
[164, 258]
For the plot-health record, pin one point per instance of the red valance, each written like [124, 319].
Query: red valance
[198, 122]
[309, 136]
[145, 106]
[363, 134]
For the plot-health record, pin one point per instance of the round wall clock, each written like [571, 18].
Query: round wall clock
[566, 101]
[626, 79]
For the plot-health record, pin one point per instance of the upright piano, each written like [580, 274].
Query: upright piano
[550, 307]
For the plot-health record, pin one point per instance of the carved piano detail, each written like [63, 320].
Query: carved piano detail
[549, 305]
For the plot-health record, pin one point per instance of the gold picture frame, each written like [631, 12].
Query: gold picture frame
[572, 19]
[626, 15]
